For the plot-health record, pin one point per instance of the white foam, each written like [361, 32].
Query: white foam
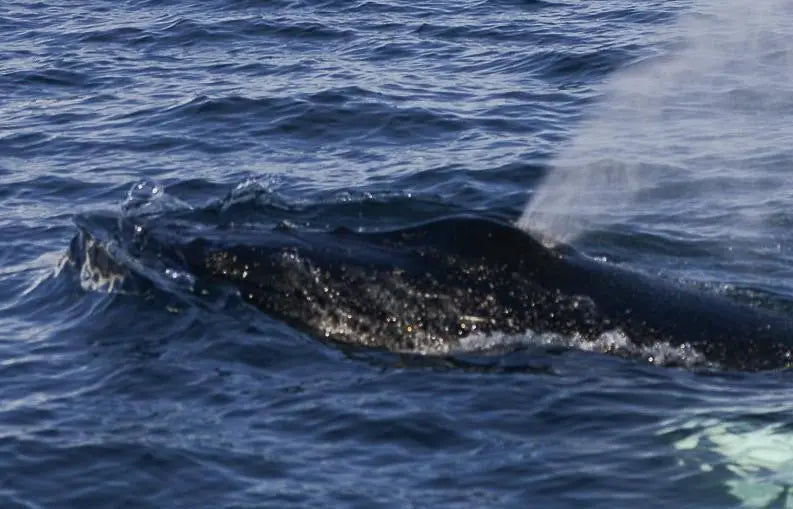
[611, 342]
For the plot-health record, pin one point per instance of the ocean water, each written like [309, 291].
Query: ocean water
[652, 135]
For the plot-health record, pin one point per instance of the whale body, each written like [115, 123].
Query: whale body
[426, 287]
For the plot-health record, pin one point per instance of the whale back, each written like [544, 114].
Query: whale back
[429, 287]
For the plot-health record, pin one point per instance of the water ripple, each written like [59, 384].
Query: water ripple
[370, 114]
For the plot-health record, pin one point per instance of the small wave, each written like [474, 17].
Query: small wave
[332, 114]
[190, 32]
[121, 34]
[273, 199]
[52, 78]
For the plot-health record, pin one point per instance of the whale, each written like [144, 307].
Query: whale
[429, 286]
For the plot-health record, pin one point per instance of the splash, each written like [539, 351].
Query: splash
[614, 342]
[148, 198]
[701, 134]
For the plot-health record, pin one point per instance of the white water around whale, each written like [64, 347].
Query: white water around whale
[615, 342]
[696, 132]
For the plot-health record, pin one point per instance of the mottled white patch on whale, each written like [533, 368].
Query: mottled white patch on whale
[760, 458]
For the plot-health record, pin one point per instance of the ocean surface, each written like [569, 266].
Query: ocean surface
[653, 135]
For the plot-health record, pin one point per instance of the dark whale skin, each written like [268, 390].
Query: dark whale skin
[427, 286]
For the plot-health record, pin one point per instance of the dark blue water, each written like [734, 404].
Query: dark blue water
[133, 391]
